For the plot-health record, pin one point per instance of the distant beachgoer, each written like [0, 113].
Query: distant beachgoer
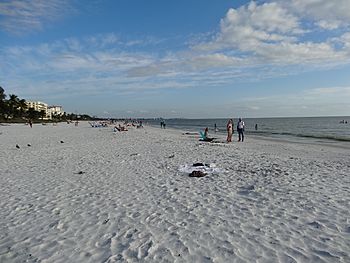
[206, 131]
[256, 127]
[240, 130]
[164, 125]
[215, 128]
[76, 123]
[122, 128]
[229, 128]
[205, 136]
[30, 123]
[139, 125]
[161, 124]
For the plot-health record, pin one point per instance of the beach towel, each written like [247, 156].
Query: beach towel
[205, 168]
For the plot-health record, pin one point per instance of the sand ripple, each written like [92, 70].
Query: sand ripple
[119, 197]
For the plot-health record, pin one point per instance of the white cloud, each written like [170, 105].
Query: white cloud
[333, 91]
[269, 17]
[328, 14]
[272, 33]
[329, 25]
[344, 40]
[215, 60]
[21, 16]
[246, 27]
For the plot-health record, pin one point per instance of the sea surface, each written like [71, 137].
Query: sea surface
[308, 129]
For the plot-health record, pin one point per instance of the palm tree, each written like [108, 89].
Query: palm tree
[22, 106]
[2, 102]
[32, 114]
[13, 103]
[42, 114]
[2, 94]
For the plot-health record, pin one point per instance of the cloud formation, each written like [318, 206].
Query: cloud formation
[326, 14]
[21, 16]
[254, 42]
[273, 33]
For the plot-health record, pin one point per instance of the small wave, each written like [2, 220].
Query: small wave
[327, 137]
[300, 135]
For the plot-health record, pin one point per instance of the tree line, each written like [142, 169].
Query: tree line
[15, 109]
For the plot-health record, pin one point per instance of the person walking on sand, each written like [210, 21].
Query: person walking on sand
[240, 130]
[229, 128]
[30, 123]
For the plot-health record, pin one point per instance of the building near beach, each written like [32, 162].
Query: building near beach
[37, 105]
[50, 111]
[55, 110]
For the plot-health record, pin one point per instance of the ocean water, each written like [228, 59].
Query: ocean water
[315, 129]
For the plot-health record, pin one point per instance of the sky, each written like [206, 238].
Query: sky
[179, 59]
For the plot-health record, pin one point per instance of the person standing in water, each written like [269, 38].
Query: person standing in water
[229, 128]
[240, 130]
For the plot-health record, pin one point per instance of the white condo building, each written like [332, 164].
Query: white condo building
[37, 105]
[55, 110]
[49, 110]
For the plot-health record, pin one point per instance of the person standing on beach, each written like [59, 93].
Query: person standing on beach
[30, 123]
[229, 128]
[240, 130]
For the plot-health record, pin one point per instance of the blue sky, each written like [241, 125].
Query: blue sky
[184, 58]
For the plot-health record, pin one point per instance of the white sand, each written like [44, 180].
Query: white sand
[275, 202]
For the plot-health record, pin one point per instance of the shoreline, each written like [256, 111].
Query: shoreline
[323, 129]
[305, 142]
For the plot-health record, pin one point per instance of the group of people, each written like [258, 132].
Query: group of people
[119, 128]
[240, 130]
[229, 127]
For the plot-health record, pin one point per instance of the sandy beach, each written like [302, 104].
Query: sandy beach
[82, 194]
